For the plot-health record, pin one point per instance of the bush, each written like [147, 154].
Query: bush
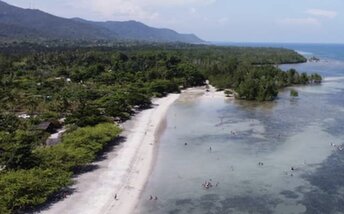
[315, 78]
[28, 188]
[228, 93]
[16, 149]
[78, 147]
[63, 157]
[93, 139]
[162, 87]
[294, 93]
[9, 122]
[117, 106]
[86, 116]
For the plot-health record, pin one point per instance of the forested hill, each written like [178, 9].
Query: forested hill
[17, 24]
[133, 30]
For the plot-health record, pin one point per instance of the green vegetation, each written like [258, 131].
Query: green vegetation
[294, 93]
[27, 188]
[17, 149]
[78, 147]
[261, 83]
[228, 93]
[90, 88]
[33, 174]
[315, 78]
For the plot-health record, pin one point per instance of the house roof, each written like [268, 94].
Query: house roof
[44, 125]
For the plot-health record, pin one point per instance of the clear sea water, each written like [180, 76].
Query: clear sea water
[325, 51]
[304, 133]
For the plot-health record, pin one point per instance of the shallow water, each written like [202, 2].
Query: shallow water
[302, 133]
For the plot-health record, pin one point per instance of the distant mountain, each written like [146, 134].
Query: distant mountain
[27, 24]
[138, 31]
[18, 23]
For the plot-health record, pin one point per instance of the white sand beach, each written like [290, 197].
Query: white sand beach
[202, 92]
[124, 171]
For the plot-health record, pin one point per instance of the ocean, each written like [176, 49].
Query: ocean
[284, 156]
[324, 51]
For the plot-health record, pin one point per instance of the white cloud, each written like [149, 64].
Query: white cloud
[315, 17]
[223, 20]
[322, 13]
[193, 10]
[175, 2]
[134, 9]
[301, 21]
[119, 9]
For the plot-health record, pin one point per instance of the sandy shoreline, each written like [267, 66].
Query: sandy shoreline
[124, 171]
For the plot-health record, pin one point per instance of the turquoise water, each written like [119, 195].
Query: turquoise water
[304, 134]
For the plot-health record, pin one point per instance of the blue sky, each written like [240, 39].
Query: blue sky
[313, 21]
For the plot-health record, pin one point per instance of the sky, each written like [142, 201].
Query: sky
[295, 21]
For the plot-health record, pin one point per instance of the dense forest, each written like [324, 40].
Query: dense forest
[260, 83]
[87, 89]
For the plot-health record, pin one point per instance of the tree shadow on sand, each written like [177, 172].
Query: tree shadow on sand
[68, 191]
[59, 196]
